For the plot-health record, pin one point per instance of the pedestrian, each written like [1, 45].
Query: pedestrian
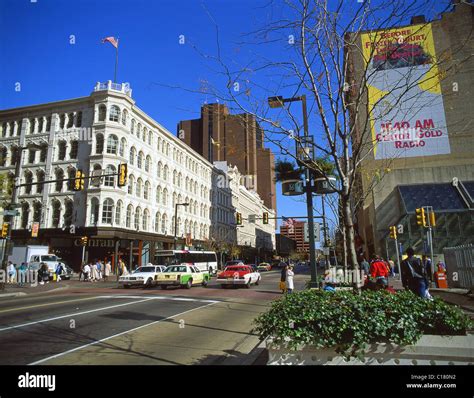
[94, 272]
[107, 270]
[364, 264]
[414, 275]
[11, 272]
[378, 272]
[43, 274]
[99, 269]
[289, 279]
[391, 263]
[22, 274]
[81, 271]
[59, 271]
[86, 271]
[283, 279]
[329, 281]
[426, 261]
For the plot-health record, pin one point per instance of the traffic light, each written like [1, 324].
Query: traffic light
[265, 217]
[5, 229]
[122, 175]
[84, 240]
[393, 232]
[238, 218]
[421, 216]
[432, 219]
[79, 181]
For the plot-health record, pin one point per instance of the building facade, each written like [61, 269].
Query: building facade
[95, 134]
[437, 147]
[296, 232]
[238, 139]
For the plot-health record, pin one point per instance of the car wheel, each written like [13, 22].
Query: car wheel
[149, 283]
[247, 285]
[204, 282]
[189, 284]
[258, 281]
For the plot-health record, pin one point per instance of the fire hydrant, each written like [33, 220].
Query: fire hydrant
[440, 278]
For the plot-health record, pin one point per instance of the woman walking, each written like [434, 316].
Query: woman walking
[283, 279]
[289, 279]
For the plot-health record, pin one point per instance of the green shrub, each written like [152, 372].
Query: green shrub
[348, 322]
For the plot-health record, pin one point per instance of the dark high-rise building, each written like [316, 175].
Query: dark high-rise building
[238, 139]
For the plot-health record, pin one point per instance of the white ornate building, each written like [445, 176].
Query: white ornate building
[95, 134]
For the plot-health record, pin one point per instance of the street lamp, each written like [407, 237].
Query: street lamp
[277, 102]
[176, 221]
[7, 217]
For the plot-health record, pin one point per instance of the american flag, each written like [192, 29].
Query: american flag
[112, 40]
[290, 223]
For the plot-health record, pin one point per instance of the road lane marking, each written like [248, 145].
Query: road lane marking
[71, 315]
[46, 304]
[117, 335]
[163, 298]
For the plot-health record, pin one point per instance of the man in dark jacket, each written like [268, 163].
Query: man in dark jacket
[414, 275]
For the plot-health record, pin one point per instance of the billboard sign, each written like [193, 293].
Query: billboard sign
[404, 93]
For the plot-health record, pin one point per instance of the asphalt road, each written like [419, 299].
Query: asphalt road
[104, 324]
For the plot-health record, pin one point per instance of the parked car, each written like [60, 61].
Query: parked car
[143, 276]
[254, 267]
[182, 275]
[264, 267]
[236, 275]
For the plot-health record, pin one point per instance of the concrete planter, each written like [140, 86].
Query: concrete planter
[429, 350]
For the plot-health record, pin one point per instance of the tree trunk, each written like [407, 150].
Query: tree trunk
[349, 226]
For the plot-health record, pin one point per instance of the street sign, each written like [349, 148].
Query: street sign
[326, 251]
[252, 218]
[13, 213]
[317, 232]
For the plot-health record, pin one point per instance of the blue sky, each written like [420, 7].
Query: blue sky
[36, 51]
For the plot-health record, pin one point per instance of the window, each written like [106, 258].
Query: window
[79, 119]
[112, 143]
[158, 147]
[107, 211]
[157, 222]
[43, 153]
[56, 215]
[158, 170]
[139, 130]
[62, 121]
[138, 192]
[124, 117]
[140, 160]
[133, 154]
[123, 145]
[39, 178]
[128, 220]
[68, 212]
[165, 197]
[164, 221]
[145, 133]
[118, 212]
[61, 150]
[37, 207]
[109, 180]
[147, 163]
[158, 195]
[25, 210]
[165, 173]
[70, 120]
[74, 149]
[28, 180]
[31, 126]
[132, 126]
[146, 220]
[99, 144]
[31, 156]
[131, 183]
[48, 123]
[71, 174]
[138, 215]
[147, 191]
[97, 173]
[3, 155]
[150, 138]
[114, 113]
[59, 176]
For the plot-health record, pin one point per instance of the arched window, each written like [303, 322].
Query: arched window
[96, 172]
[133, 154]
[99, 144]
[114, 113]
[165, 197]
[147, 163]
[62, 121]
[128, 221]
[112, 144]
[158, 169]
[174, 177]
[70, 120]
[102, 112]
[79, 119]
[39, 178]
[131, 184]
[157, 221]
[124, 117]
[158, 194]
[25, 212]
[150, 138]
[37, 207]
[140, 160]
[74, 149]
[123, 146]
[164, 222]
[146, 220]
[145, 134]
[43, 153]
[139, 130]
[60, 177]
[62, 150]
[147, 191]
[31, 126]
[68, 212]
[56, 213]
[158, 144]
[3, 156]
[132, 126]
[109, 180]
[163, 147]
[167, 149]
[180, 177]
[118, 212]
[107, 211]
[138, 192]
[71, 173]
[138, 216]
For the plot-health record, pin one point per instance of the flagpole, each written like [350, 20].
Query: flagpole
[116, 61]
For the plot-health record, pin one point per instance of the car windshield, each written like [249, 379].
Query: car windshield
[175, 268]
[144, 269]
[49, 258]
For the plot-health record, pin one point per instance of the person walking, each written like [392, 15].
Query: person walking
[365, 266]
[391, 263]
[11, 272]
[81, 271]
[283, 279]
[22, 274]
[107, 270]
[86, 270]
[414, 277]
[94, 272]
[59, 271]
[426, 261]
[379, 271]
[289, 279]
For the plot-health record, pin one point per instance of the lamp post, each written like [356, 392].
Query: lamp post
[176, 221]
[277, 102]
[8, 218]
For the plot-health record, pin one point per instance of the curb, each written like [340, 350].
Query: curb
[23, 294]
[258, 356]
[17, 294]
